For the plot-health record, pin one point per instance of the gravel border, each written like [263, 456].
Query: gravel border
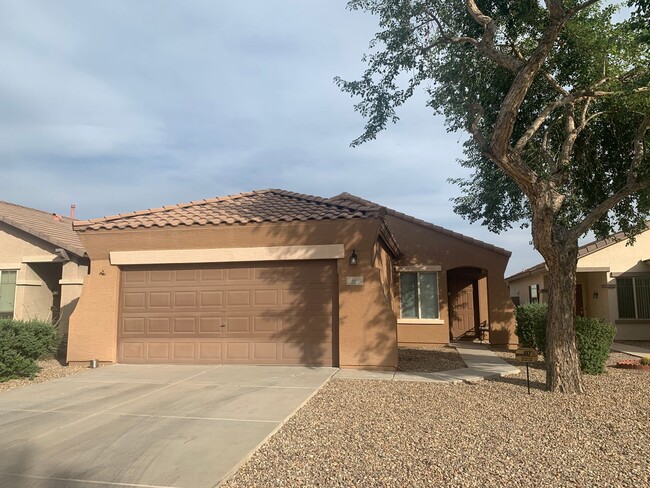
[491, 434]
[51, 369]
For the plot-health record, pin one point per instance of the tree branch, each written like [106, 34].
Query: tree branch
[632, 186]
[507, 116]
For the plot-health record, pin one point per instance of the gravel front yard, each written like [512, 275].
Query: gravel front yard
[51, 369]
[492, 434]
[428, 359]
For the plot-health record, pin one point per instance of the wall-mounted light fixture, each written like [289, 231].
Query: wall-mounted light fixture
[353, 257]
[595, 295]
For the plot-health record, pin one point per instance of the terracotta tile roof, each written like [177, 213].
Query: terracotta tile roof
[55, 229]
[242, 208]
[584, 250]
[348, 199]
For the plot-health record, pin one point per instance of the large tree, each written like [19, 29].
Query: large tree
[555, 96]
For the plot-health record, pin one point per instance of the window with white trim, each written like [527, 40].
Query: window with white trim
[419, 295]
[7, 294]
[633, 295]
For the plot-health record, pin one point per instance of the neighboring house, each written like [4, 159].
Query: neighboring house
[278, 277]
[613, 283]
[42, 265]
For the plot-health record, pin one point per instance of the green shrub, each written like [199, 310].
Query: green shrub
[22, 343]
[645, 360]
[531, 325]
[593, 336]
[593, 339]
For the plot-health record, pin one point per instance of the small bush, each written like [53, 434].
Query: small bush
[22, 343]
[645, 360]
[593, 339]
[593, 336]
[531, 325]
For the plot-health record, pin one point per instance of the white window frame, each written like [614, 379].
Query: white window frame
[419, 307]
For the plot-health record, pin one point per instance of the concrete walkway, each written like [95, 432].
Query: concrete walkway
[630, 350]
[481, 363]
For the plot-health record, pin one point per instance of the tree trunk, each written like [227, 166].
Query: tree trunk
[561, 254]
[562, 362]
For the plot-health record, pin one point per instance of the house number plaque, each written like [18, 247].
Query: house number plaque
[354, 280]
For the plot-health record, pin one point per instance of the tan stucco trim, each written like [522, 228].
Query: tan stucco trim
[45, 258]
[9, 266]
[228, 255]
[592, 269]
[421, 321]
[29, 283]
[71, 282]
[418, 267]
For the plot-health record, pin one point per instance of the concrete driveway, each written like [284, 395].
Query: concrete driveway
[145, 425]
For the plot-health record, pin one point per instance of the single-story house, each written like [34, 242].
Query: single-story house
[42, 265]
[613, 283]
[275, 277]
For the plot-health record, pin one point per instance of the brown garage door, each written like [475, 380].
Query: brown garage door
[266, 313]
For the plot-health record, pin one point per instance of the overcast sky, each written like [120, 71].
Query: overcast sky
[125, 105]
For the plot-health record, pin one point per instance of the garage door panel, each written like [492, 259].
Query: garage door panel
[310, 353]
[134, 276]
[159, 325]
[265, 325]
[210, 325]
[275, 313]
[186, 276]
[305, 329]
[211, 276]
[134, 325]
[237, 351]
[185, 299]
[161, 276]
[212, 298]
[157, 350]
[135, 300]
[266, 298]
[183, 351]
[238, 325]
[307, 299]
[159, 299]
[184, 326]
[210, 351]
[238, 274]
[133, 350]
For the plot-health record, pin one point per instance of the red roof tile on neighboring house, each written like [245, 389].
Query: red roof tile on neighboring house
[242, 208]
[353, 200]
[57, 231]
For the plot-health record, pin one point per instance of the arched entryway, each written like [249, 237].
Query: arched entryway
[468, 307]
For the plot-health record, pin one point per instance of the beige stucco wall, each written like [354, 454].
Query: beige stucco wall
[426, 246]
[597, 273]
[36, 278]
[621, 259]
[520, 288]
[367, 325]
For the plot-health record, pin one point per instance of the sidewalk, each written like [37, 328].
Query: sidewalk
[481, 364]
[630, 350]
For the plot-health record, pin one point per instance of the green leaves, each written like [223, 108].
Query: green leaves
[582, 150]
